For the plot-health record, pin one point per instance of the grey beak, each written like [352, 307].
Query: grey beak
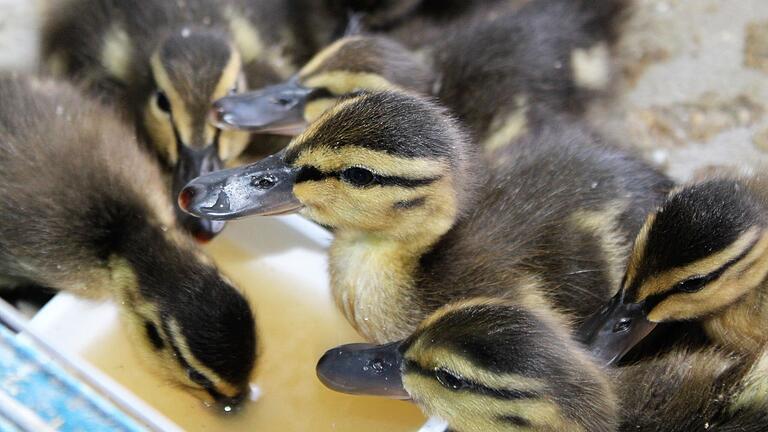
[277, 109]
[263, 188]
[615, 329]
[364, 369]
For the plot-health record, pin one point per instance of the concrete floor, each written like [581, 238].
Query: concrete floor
[695, 84]
[693, 89]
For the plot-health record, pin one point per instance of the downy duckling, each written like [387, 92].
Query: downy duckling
[702, 256]
[549, 53]
[86, 211]
[493, 365]
[165, 62]
[420, 222]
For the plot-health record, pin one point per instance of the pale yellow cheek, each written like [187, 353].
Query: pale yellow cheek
[158, 125]
[232, 144]
[333, 203]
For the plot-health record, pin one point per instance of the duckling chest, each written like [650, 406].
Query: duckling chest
[372, 283]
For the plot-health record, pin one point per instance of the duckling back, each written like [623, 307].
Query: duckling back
[687, 390]
[109, 42]
[559, 211]
[67, 166]
[554, 54]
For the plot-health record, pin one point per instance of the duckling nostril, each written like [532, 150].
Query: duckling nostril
[264, 182]
[282, 101]
[623, 325]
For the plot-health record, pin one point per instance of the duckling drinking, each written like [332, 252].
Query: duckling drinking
[702, 256]
[550, 53]
[165, 62]
[420, 222]
[493, 365]
[86, 211]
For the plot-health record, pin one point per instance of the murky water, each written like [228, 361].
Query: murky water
[296, 326]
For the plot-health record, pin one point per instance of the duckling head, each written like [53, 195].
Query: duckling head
[388, 164]
[482, 365]
[351, 64]
[701, 252]
[190, 69]
[186, 317]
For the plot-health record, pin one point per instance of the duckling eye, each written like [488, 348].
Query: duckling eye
[691, 285]
[162, 102]
[449, 380]
[358, 176]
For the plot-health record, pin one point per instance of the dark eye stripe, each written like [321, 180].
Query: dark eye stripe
[194, 375]
[514, 420]
[310, 173]
[153, 335]
[655, 299]
[410, 366]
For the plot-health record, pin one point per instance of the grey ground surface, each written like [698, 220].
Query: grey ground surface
[693, 90]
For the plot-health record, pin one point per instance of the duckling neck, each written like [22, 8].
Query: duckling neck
[373, 281]
[740, 327]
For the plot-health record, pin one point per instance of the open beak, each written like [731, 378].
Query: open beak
[277, 109]
[615, 329]
[264, 188]
[364, 369]
[193, 163]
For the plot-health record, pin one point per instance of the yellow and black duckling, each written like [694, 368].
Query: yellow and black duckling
[493, 365]
[549, 53]
[86, 211]
[165, 62]
[420, 222]
[702, 256]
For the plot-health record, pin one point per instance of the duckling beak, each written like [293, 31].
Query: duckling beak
[277, 109]
[615, 329]
[193, 163]
[364, 369]
[264, 188]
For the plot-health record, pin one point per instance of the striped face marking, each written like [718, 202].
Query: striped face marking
[446, 379]
[356, 179]
[704, 286]
[191, 72]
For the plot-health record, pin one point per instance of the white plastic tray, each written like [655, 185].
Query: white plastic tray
[283, 247]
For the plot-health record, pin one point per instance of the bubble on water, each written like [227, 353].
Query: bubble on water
[227, 408]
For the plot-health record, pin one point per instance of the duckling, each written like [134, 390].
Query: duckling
[701, 256]
[165, 62]
[550, 53]
[493, 365]
[419, 221]
[75, 220]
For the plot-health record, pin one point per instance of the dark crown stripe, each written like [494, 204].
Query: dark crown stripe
[411, 366]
